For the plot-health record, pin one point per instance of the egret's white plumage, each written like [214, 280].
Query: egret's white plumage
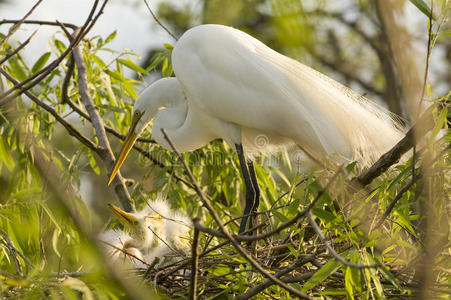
[229, 85]
[114, 245]
[154, 232]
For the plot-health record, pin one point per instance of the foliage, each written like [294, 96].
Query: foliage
[46, 252]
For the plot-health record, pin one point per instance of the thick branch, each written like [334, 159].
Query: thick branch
[424, 124]
[106, 152]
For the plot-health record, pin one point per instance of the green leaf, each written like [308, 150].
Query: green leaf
[111, 37]
[99, 62]
[423, 7]
[60, 45]
[440, 123]
[323, 215]
[131, 65]
[330, 267]
[168, 46]
[40, 62]
[349, 283]
[17, 70]
[5, 155]
[165, 65]
[93, 163]
[155, 63]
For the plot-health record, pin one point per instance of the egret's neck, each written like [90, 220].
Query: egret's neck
[165, 93]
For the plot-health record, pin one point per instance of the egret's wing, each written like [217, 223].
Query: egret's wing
[236, 78]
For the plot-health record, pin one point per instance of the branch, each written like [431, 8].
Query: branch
[347, 74]
[237, 246]
[106, 152]
[11, 54]
[267, 283]
[38, 22]
[38, 76]
[194, 264]
[352, 25]
[331, 249]
[424, 124]
[159, 23]
[69, 127]
[407, 187]
[17, 25]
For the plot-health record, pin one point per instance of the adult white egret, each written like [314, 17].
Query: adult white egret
[229, 85]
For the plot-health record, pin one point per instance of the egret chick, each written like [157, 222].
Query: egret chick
[156, 230]
[145, 227]
[115, 245]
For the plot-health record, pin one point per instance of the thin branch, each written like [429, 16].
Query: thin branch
[17, 25]
[331, 249]
[38, 22]
[107, 153]
[9, 244]
[194, 264]
[164, 242]
[235, 243]
[126, 253]
[396, 199]
[405, 188]
[159, 23]
[38, 76]
[349, 75]
[267, 283]
[69, 127]
[66, 82]
[426, 67]
[352, 25]
[11, 54]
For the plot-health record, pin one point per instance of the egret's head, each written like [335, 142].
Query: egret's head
[159, 94]
[143, 226]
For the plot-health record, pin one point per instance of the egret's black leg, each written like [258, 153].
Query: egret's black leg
[250, 166]
[250, 193]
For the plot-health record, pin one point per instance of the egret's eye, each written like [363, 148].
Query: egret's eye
[136, 223]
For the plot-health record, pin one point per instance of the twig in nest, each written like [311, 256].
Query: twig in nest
[332, 250]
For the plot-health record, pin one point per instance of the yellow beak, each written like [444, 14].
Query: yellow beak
[124, 217]
[125, 150]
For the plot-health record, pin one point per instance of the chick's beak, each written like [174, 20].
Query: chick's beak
[124, 217]
[126, 147]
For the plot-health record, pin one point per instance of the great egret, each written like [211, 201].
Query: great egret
[116, 247]
[155, 231]
[229, 85]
